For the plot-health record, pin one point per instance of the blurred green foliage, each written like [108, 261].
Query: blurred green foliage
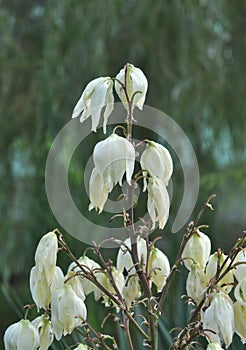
[193, 55]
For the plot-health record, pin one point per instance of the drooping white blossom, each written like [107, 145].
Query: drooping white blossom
[67, 311]
[218, 319]
[97, 94]
[196, 282]
[157, 160]
[119, 282]
[240, 320]
[135, 83]
[214, 346]
[74, 281]
[240, 292]
[89, 266]
[159, 268]
[216, 260]
[158, 202]
[98, 191]
[81, 347]
[131, 290]
[41, 290]
[21, 336]
[45, 330]
[46, 255]
[240, 268]
[197, 250]
[124, 259]
[113, 157]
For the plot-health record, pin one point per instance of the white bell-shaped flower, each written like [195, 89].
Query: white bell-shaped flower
[21, 336]
[81, 347]
[45, 330]
[214, 346]
[135, 83]
[98, 191]
[196, 282]
[67, 311]
[75, 282]
[58, 280]
[158, 202]
[157, 160]
[219, 318]
[113, 157]
[240, 269]
[124, 259]
[240, 320]
[131, 290]
[89, 266]
[159, 268]
[240, 292]
[119, 281]
[197, 250]
[215, 260]
[46, 255]
[41, 290]
[97, 94]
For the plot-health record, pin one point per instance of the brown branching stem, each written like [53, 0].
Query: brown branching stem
[153, 330]
[92, 277]
[189, 232]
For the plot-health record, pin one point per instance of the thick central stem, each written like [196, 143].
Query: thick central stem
[153, 330]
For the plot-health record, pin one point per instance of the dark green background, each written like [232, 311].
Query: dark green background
[193, 54]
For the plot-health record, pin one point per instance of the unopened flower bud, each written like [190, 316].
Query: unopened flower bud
[135, 84]
[197, 250]
[44, 328]
[97, 94]
[157, 160]
[46, 255]
[159, 268]
[219, 318]
[21, 336]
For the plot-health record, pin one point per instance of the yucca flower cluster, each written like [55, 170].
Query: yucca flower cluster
[115, 156]
[141, 274]
[62, 298]
[211, 282]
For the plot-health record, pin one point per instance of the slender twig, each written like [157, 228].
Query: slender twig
[110, 275]
[189, 232]
[129, 337]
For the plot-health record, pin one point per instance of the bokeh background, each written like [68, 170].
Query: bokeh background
[193, 53]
